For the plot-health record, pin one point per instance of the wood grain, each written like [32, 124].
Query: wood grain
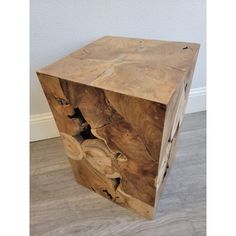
[120, 126]
[129, 66]
[60, 207]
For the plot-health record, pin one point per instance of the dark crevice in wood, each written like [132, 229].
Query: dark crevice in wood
[185, 48]
[77, 115]
[185, 88]
[107, 193]
[167, 167]
[85, 127]
[117, 182]
[117, 155]
[86, 133]
[93, 189]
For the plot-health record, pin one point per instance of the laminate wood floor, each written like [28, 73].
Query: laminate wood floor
[59, 206]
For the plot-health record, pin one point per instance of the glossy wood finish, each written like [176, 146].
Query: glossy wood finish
[120, 126]
[60, 207]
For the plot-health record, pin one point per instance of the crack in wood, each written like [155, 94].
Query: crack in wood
[62, 101]
[77, 115]
[107, 193]
[86, 133]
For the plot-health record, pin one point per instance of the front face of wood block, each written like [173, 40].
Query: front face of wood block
[119, 145]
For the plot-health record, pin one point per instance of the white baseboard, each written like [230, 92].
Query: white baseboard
[197, 100]
[43, 126]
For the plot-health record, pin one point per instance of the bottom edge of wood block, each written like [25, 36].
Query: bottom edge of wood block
[129, 202]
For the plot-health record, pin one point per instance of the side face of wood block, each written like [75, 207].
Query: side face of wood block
[119, 114]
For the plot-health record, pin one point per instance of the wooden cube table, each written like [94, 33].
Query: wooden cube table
[118, 104]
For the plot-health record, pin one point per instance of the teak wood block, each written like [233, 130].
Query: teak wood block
[118, 104]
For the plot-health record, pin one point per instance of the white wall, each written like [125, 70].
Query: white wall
[59, 27]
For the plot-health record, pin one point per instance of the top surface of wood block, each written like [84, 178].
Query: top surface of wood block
[148, 69]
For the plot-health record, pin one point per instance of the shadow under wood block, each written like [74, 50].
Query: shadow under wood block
[118, 104]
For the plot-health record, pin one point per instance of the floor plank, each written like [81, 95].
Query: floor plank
[60, 207]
